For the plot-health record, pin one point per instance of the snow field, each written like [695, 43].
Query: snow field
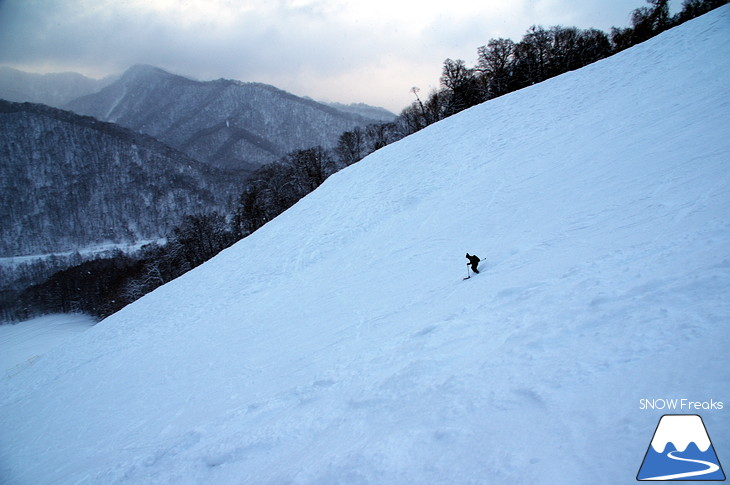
[339, 344]
[25, 342]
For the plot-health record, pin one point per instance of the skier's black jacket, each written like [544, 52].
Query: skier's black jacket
[473, 261]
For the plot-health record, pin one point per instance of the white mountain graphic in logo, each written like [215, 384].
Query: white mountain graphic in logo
[681, 450]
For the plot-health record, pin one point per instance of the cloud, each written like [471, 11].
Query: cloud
[320, 48]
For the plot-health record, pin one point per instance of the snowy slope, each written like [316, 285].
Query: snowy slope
[339, 344]
[25, 342]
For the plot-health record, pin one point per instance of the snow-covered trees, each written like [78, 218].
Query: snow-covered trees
[68, 181]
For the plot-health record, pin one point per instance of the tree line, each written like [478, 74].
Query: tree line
[504, 66]
[102, 286]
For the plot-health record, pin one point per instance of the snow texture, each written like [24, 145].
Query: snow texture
[25, 342]
[339, 344]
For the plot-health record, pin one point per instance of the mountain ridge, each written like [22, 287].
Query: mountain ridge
[54, 89]
[226, 123]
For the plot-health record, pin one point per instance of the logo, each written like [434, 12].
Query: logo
[681, 450]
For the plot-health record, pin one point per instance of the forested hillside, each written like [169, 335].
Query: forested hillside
[69, 181]
[225, 123]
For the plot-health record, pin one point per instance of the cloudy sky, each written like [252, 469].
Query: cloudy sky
[371, 51]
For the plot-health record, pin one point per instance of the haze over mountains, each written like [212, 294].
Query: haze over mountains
[55, 89]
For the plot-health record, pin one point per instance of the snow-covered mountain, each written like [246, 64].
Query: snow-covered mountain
[680, 430]
[339, 343]
[55, 89]
[226, 123]
[67, 182]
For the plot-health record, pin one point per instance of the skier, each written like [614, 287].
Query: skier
[473, 261]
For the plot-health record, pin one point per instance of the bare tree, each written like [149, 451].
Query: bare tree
[310, 168]
[351, 147]
[495, 62]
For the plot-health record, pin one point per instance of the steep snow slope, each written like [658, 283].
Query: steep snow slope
[339, 344]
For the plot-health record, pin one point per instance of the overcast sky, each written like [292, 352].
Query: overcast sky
[371, 51]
